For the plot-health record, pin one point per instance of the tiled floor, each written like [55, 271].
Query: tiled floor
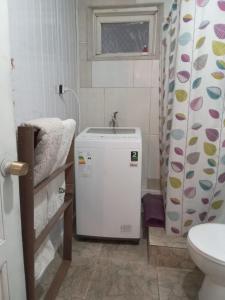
[110, 271]
[158, 237]
[168, 251]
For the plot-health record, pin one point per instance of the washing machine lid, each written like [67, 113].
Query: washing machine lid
[209, 240]
[109, 130]
[109, 133]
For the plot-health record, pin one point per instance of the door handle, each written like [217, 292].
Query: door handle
[14, 168]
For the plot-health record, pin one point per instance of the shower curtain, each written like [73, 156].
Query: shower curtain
[192, 133]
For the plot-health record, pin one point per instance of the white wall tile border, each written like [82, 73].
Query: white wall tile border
[142, 73]
[112, 74]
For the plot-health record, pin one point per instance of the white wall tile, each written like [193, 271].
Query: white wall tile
[142, 73]
[83, 51]
[133, 105]
[153, 167]
[112, 74]
[82, 16]
[92, 107]
[155, 73]
[154, 115]
[85, 74]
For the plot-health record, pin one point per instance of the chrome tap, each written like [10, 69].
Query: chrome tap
[114, 122]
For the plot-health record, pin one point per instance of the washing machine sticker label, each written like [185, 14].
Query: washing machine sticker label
[81, 160]
[85, 164]
[134, 155]
[134, 158]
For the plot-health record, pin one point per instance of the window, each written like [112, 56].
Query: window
[124, 32]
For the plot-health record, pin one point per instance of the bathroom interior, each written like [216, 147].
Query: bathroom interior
[112, 150]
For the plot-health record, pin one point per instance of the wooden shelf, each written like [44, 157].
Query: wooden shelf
[45, 232]
[27, 140]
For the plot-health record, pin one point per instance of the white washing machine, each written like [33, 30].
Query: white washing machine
[108, 183]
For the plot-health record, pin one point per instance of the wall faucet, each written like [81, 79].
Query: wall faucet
[114, 122]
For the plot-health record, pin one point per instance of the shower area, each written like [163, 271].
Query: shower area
[192, 123]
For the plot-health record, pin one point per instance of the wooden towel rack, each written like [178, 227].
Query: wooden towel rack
[27, 140]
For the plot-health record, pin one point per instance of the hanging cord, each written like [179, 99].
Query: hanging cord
[66, 90]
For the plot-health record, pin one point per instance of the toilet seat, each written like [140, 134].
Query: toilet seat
[209, 241]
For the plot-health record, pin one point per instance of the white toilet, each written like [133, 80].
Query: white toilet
[206, 244]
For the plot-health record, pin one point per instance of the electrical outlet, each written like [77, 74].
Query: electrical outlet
[60, 89]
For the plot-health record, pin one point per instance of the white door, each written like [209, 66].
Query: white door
[12, 282]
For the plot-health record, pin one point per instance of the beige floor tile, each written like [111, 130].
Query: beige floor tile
[117, 271]
[179, 284]
[158, 237]
[127, 297]
[116, 279]
[76, 283]
[125, 252]
[86, 248]
[170, 257]
[68, 297]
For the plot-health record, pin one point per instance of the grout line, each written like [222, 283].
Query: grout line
[104, 91]
[157, 272]
[133, 67]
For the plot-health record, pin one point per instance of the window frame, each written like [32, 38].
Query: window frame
[121, 15]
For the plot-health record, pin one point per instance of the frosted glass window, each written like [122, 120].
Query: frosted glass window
[126, 37]
[124, 32]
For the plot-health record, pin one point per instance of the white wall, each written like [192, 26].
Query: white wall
[130, 87]
[43, 46]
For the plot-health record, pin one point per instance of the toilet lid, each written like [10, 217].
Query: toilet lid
[209, 239]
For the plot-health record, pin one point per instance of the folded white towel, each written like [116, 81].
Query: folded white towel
[43, 258]
[40, 211]
[54, 140]
[46, 203]
[49, 141]
[69, 127]
[56, 194]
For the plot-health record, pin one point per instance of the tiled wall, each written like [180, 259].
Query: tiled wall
[130, 87]
[135, 98]
[44, 49]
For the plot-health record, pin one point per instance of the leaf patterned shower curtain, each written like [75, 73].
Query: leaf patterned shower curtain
[192, 138]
